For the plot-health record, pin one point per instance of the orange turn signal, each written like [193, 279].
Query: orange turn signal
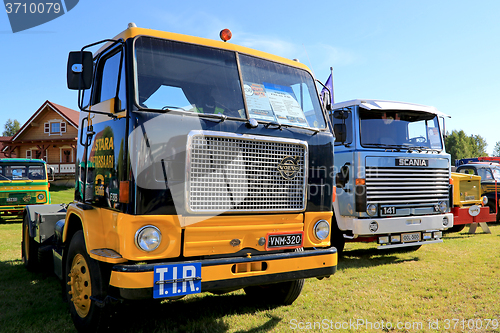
[360, 181]
[124, 192]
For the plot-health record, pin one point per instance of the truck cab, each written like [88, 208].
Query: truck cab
[490, 175]
[22, 182]
[196, 171]
[392, 174]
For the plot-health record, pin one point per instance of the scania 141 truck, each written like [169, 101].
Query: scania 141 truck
[392, 174]
[193, 175]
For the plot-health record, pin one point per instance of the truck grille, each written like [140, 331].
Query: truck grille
[407, 187]
[242, 173]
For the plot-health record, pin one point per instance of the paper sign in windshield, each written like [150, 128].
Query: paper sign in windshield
[286, 108]
[258, 102]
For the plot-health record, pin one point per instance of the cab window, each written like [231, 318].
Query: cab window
[109, 72]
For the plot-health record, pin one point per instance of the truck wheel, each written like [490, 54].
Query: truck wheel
[29, 247]
[83, 281]
[338, 241]
[282, 293]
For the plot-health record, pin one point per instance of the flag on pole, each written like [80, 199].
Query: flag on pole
[329, 85]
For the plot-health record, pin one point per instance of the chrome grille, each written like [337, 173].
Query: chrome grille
[407, 187]
[239, 173]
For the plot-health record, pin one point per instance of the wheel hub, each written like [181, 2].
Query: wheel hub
[80, 287]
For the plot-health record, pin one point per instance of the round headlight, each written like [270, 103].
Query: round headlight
[371, 209]
[485, 200]
[443, 206]
[322, 229]
[41, 196]
[148, 238]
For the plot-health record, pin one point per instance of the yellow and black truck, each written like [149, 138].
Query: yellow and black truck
[201, 166]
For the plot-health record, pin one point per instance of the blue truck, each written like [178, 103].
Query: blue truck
[392, 174]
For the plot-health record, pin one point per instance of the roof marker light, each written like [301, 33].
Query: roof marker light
[225, 35]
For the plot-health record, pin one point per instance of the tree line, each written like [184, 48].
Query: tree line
[458, 144]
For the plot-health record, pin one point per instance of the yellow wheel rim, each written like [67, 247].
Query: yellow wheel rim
[80, 286]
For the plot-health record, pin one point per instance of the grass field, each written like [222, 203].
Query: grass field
[448, 287]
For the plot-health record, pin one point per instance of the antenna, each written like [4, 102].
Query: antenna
[310, 64]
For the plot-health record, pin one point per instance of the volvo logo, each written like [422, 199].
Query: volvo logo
[289, 167]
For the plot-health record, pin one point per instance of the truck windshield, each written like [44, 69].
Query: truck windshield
[16, 171]
[176, 76]
[399, 128]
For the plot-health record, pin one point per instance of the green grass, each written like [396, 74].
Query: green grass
[60, 194]
[457, 279]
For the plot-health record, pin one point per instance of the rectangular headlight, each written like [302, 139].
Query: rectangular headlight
[383, 240]
[395, 238]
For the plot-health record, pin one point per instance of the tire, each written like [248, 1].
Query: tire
[29, 248]
[338, 241]
[282, 293]
[491, 204]
[83, 280]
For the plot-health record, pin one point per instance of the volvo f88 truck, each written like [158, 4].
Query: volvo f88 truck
[193, 175]
[392, 174]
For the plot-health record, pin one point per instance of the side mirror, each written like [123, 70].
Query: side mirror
[340, 131]
[341, 114]
[342, 177]
[51, 171]
[80, 70]
[326, 100]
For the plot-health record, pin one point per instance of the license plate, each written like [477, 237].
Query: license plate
[177, 280]
[286, 240]
[388, 211]
[411, 237]
[11, 199]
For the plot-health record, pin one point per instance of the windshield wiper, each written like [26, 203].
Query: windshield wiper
[280, 126]
[274, 123]
[420, 148]
[383, 145]
[211, 116]
[7, 178]
[170, 108]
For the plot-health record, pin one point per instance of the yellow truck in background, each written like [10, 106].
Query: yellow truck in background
[468, 205]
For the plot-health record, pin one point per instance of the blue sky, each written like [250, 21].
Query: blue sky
[440, 53]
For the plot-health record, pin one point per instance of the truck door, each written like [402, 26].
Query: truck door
[102, 133]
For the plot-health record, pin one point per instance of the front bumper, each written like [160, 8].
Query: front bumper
[462, 215]
[391, 225]
[11, 210]
[136, 281]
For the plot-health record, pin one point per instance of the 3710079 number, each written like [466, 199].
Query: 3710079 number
[32, 8]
